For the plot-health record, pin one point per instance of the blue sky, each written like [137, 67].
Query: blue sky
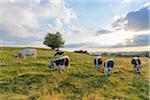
[83, 24]
[100, 14]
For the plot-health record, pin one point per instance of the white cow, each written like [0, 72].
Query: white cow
[108, 66]
[98, 62]
[137, 64]
[27, 52]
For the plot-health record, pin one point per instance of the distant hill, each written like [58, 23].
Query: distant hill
[123, 53]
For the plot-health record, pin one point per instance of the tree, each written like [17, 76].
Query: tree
[54, 40]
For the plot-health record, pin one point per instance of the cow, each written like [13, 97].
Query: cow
[137, 64]
[27, 52]
[108, 66]
[59, 52]
[60, 63]
[98, 62]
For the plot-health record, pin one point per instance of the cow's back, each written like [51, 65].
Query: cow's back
[58, 53]
[59, 62]
[29, 52]
[110, 64]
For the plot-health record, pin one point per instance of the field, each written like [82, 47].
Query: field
[26, 79]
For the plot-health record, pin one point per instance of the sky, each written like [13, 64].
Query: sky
[82, 23]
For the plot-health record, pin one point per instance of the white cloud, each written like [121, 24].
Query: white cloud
[146, 4]
[133, 21]
[136, 40]
[119, 22]
[21, 19]
[20, 1]
[126, 1]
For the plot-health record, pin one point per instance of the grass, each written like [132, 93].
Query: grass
[26, 79]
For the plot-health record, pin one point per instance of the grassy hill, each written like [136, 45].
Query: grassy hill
[32, 79]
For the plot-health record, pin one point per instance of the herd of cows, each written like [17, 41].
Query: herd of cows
[64, 61]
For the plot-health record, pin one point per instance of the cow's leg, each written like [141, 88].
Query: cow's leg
[63, 67]
[112, 70]
[135, 69]
[60, 67]
[139, 68]
[68, 67]
[24, 57]
[34, 57]
[69, 64]
[109, 70]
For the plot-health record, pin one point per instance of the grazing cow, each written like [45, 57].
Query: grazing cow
[137, 64]
[108, 66]
[59, 52]
[98, 61]
[60, 63]
[27, 52]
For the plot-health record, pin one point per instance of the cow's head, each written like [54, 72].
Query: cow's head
[18, 55]
[137, 68]
[106, 71]
[51, 64]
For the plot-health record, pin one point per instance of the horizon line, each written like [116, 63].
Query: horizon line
[106, 49]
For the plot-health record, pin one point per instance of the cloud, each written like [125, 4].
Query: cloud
[23, 20]
[89, 31]
[101, 32]
[81, 45]
[147, 4]
[137, 40]
[85, 45]
[133, 21]
[126, 1]
[24, 1]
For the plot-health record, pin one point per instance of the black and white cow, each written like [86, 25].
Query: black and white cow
[59, 52]
[60, 63]
[137, 64]
[108, 66]
[27, 52]
[98, 62]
